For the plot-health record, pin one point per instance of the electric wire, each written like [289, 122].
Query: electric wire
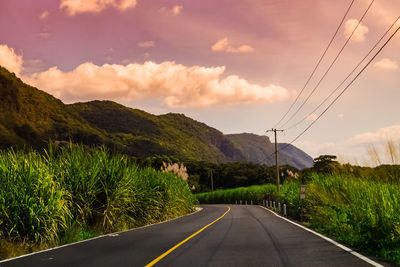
[330, 66]
[348, 76]
[344, 90]
[318, 63]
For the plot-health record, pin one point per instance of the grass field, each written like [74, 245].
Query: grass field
[70, 194]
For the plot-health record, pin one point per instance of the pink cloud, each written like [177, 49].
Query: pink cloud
[359, 34]
[44, 15]
[387, 64]
[146, 44]
[174, 11]
[73, 7]
[223, 45]
[175, 84]
[9, 60]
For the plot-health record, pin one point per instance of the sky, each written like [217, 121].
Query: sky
[236, 65]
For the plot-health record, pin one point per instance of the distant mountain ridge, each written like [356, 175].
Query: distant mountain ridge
[29, 116]
[258, 149]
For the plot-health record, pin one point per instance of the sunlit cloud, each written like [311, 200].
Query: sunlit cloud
[359, 34]
[73, 7]
[223, 45]
[10, 60]
[175, 84]
[44, 15]
[387, 64]
[312, 117]
[146, 44]
[174, 11]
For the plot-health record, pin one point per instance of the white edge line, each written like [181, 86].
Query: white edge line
[362, 257]
[198, 209]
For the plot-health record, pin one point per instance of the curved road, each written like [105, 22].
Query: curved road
[245, 236]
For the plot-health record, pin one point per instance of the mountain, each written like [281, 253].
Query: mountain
[142, 134]
[259, 149]
[31, 117]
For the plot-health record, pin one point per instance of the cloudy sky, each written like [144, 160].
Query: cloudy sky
[236, 65]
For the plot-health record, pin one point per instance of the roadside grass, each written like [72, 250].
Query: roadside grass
[73, 193]
[255, 193]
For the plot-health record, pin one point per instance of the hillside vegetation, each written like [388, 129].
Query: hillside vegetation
[30, 117]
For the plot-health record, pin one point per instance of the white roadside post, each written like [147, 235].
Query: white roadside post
[284, 209]
[279, 207]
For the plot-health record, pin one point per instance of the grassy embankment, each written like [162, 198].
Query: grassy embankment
[71, 194]
[360, 212]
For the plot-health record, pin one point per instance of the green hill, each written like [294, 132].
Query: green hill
[30, 117]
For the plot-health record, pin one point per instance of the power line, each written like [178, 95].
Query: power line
[318, 63]
[344, 90]
[348, 76]
[330, 66]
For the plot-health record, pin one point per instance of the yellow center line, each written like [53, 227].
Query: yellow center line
[185, 240]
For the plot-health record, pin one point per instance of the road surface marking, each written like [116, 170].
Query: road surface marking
[185, 240]
[358, 255]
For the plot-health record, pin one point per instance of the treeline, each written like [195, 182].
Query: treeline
[224, 175]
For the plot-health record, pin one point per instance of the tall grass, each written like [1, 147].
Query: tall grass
[72, 193]
[362, 213]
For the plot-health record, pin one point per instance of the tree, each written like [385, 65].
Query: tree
[325, 163]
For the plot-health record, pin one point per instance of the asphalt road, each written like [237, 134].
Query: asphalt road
[245, 236]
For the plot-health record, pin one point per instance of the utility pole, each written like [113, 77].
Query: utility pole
[212, 185]
[276, 156]
[212, 181]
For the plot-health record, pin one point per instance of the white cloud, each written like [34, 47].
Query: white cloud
[355, 149]
[73, 7]
[146, 44]
[223, 45]
[359, 34]
[175, 84]
[387, 64]
[10, 60]
[44, 15]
